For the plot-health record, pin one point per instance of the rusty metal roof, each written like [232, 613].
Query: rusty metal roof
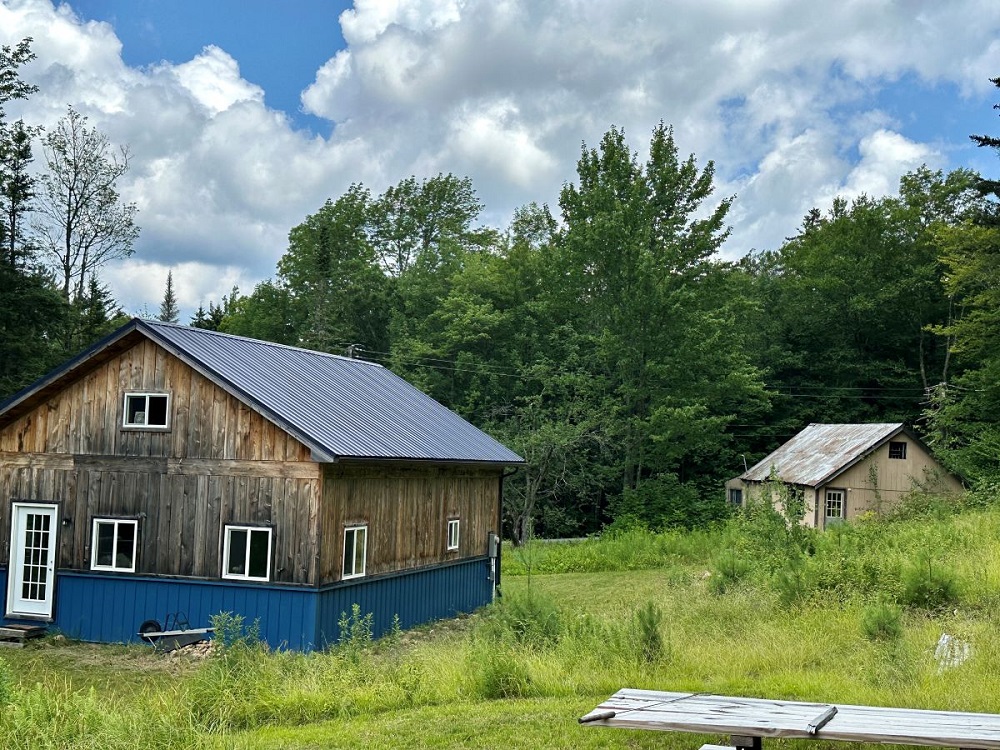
[341, 408]
[821, 451]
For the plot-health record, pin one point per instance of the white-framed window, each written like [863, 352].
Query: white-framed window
[836, 505]
[246, 553]
[453, 527]
[355, 547]
[113, 544]
[897, 449]
[149, 410]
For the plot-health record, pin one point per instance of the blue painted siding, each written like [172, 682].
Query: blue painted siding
[416, 596]
[109, 608]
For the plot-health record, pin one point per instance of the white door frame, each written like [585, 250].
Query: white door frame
[31, 574]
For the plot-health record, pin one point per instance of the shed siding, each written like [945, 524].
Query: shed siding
[878, 483]
[406, 509]
[218, 463]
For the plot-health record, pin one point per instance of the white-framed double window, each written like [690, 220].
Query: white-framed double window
[114, 544]
[454, 526]
[147, 410]
[246, 553]
[355, 549]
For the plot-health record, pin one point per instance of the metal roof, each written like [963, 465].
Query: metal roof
[341, 408]
[821, 451]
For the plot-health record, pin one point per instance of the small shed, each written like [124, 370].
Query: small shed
[173, 471]
[844, 470]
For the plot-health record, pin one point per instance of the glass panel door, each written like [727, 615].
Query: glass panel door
[32, 560]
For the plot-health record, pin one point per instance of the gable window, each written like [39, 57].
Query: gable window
[897, 450]
[453, 528]
[736, 498]
[835, 506]
[247, 553]
[113, 544]
[355, 545]
[147, 410]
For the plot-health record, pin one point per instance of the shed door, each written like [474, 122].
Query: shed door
[31, 575]
[836, 507]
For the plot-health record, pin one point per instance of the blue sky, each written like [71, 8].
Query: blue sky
[279, 45]
[244, 117]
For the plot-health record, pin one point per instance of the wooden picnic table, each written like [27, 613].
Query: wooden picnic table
[748, 720]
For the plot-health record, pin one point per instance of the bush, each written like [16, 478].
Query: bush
[929, 586]
[499, 672]
[525, 619]
[882, 622]
[649, 621]
[793, 584]
[728, 571]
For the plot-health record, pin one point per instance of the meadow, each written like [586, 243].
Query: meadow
[749, 607]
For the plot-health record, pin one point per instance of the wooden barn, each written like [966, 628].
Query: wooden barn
[845, 470]
[173, 472]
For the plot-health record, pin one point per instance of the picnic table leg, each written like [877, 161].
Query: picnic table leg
[745, 742]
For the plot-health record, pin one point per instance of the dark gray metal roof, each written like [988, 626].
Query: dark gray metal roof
[340, 407]
[821, 451]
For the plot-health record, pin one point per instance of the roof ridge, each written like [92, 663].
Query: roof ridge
[209, 331]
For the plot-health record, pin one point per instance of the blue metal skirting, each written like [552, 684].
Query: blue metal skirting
[110, 608]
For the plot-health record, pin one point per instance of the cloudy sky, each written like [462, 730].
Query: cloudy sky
[244, 116]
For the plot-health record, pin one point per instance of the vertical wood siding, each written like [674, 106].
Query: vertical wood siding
[218, 463]
[406, 509]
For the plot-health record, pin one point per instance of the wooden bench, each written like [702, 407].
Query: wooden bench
[749, 720]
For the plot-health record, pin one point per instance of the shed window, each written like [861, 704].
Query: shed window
[897, 450]
[113, 544]
[247, 553]
[355, 546]
[736, 498]
[835, 506]
[453, 528]
[147, 410]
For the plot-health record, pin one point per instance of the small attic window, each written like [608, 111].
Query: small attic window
[897, 449]
[147, 410]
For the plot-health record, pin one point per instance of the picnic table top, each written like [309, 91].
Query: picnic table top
[718, 714]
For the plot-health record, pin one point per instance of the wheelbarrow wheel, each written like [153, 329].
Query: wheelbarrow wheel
[150, 626]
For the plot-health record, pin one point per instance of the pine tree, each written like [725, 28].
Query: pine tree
[169, 312]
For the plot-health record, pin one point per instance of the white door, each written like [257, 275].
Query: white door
[31, 575]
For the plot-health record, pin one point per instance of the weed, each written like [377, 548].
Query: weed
[926, 586]
[730, 570]
[649, 619]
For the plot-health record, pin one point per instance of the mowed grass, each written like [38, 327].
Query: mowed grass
[520, 673]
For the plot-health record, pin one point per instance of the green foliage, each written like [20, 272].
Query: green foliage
[929, 585]
[649, 619]
[7, 684]
[729, 570]
[523, 619]
[882, 621]
[231, 632]
[355, 632]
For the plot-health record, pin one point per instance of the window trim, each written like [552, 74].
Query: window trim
[736, 497]
[126, 425]
[344, 575]
[249, 528]
[453, 523]
[116, 520]
[900, 445]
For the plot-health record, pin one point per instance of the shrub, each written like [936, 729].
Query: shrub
[882, 622]
[793, 584]
[729, 570]
[499, 672]
[929, 586]
[527, 619]
[649, 619]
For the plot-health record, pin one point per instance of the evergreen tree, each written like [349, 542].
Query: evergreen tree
[169, 312]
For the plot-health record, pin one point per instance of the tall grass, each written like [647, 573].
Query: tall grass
[822, 617]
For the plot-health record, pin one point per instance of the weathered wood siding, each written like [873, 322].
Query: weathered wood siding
[406, 509]
[218, 463]
[878, 483]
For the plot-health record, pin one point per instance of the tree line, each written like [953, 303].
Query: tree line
[58, 227]
[604, 339]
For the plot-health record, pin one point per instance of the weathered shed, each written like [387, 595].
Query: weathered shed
[170, 469]
[844, 470]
